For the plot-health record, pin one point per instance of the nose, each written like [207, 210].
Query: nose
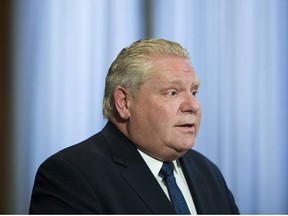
[191, 104]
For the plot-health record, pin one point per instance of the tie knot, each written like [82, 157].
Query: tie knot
[167, 169]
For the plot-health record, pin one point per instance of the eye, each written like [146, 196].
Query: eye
[194, 92]
[172, 93]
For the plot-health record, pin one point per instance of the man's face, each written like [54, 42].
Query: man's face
[165, 113]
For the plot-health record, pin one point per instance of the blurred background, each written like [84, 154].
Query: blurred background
[54, 55]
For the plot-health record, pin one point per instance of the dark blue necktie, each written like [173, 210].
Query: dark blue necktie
[175, 193]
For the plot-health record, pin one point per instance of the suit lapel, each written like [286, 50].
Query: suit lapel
[136, 173]
[141, 179]
[195, 182]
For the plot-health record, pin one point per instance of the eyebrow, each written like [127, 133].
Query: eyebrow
[195, 84]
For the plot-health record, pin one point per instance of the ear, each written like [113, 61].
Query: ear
[121, 100]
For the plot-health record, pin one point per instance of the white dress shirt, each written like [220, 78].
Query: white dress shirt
[155, 167]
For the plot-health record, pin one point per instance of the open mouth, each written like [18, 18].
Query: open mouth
[185, 125]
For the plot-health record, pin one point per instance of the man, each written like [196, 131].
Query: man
[153, 119]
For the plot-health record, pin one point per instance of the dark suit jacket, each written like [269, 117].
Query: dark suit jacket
[105, 174]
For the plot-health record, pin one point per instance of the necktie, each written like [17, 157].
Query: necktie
[175, 193]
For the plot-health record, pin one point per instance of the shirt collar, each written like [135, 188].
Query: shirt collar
[154, 164]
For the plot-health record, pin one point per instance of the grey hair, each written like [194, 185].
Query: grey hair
[132, 67]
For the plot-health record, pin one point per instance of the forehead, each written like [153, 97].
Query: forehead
[168, 69]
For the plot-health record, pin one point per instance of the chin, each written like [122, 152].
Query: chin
[191, 146]
[181, 151]
[188, 145]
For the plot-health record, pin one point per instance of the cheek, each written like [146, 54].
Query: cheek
[156, 113]
[156, 109]
[159, 118]
[169, 109]
[198, 119]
